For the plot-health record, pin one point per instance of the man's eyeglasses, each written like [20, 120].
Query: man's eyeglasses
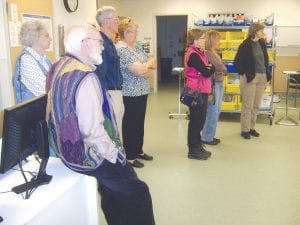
[99, 40]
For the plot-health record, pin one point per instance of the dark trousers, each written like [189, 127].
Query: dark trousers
[125, 199]
[133, 125]
[197, 119]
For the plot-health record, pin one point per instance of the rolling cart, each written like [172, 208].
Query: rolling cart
[178, 114]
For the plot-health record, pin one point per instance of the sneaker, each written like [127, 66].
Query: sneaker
[199, 155]
[254, 133]
[246, 135]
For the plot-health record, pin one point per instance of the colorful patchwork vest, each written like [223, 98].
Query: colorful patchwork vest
[64, 134]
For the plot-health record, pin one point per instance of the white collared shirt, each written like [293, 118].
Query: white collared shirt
[89, 101]
[31, 74]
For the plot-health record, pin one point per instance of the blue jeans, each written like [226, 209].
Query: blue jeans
[213, 113]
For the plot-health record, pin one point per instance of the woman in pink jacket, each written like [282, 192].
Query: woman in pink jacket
[198, 72]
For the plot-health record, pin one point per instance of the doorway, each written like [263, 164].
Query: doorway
[171, 41]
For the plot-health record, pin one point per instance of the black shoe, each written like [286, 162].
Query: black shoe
[246, 135]
[215, 141]
[136, 163]
[254, 133]
[199, 154]
[202, 148]
[145, 157]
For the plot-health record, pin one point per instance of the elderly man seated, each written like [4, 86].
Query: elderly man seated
[83, 131]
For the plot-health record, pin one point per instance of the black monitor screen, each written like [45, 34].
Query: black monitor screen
[20, 138]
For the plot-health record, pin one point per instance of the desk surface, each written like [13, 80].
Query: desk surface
[292, 72]
[71, 192]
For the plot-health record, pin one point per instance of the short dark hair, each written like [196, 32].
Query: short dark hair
[254, 27]
[194, 34]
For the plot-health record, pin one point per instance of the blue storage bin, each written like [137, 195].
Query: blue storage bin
[230, 68]
[235, 23]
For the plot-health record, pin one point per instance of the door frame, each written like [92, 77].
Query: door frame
[154, 29]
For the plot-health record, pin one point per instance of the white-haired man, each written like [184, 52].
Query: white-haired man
[84, 134]
[109, 71]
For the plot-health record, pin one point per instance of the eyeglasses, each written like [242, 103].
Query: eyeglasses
[112, 18]
[99, 40]
[132, 31]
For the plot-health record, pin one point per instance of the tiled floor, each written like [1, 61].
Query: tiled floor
[245, 182]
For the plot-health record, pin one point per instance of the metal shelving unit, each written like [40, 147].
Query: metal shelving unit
[229, 48]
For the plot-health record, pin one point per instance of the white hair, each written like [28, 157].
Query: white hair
[30, 32]
[74, 37]
[103, 13]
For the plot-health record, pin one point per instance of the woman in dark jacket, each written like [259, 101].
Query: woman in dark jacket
[252, 62]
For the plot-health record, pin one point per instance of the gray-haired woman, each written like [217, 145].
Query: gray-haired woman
[32, 65]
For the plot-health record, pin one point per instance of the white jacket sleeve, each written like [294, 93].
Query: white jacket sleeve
[89, 101]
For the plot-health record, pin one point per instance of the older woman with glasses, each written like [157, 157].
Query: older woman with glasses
[32, 65]
[136, 68]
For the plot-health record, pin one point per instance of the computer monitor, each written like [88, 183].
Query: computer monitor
[25, 133]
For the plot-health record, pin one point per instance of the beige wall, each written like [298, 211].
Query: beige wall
[114, 3]
[84, 14]
[284, 63]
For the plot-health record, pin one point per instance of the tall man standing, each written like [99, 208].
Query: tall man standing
[109, 71]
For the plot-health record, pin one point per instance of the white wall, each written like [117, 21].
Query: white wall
[85, 14]
[6, 92]
[286, 12]
[114, 3]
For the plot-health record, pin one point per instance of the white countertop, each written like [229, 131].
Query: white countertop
[70, 198]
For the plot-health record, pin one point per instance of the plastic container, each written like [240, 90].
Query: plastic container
[230, 103]
[234, 43]
[238, 35]
[228, 54]
[230, 68]
[271, 55]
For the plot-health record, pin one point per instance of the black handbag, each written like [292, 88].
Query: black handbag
[191, 98]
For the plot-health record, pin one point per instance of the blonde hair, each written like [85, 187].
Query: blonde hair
[210, 37]
[124, 24]
[194, 34]
[254, 27]
[30, 32]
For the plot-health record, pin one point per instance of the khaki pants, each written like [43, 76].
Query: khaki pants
[251, 98]
[116, 97]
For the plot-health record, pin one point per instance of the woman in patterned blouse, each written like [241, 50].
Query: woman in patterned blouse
[136, 67]
[32, 65]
